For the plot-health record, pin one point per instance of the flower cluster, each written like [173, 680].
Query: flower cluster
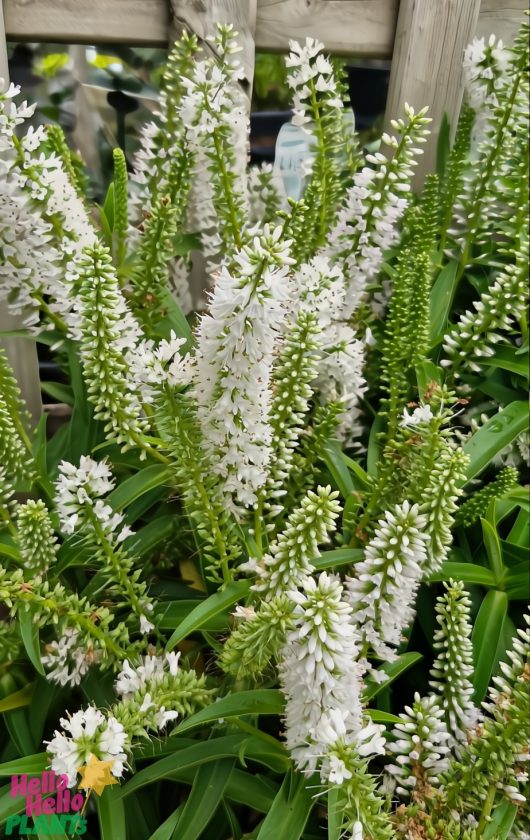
[68, 659]
[233, 365]
[420, 748]
[289, 560]
[452, 670]
[156, 692]
[383, 590]
[319, 670]
[311, 73]
[262, 496]
[35, 536]
[84, 734]
[367, 224]
[82, 509]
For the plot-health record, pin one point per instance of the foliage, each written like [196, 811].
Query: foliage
[217, 574]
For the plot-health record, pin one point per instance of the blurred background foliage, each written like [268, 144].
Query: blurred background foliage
[101, 97]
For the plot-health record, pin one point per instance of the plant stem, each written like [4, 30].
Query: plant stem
[486, 810]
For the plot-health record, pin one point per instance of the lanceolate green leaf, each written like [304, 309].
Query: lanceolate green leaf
[338, 557]
[204, 798]
[334, 814]
[499, 431]
[217, 603]
[442, 295]
[111, 813]
[507, 358]
[502, 821]
[393, 670]
[18, 699]
[258, 702]
[31, 764]
[338, 469]
[290, 810]
[467, 572]
[30, 636]
[226, 746]
[492, 545]
[487, 631]
[135, 486]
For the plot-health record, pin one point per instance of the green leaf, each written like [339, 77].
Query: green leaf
[10, 551]
[339, 471]
[507, 358]
[382, 717]
[108, 206]
[251, 789]
[442, 294]
[174, 321]
[334, 814]
[502, 821]
[373, 454]
[217, 603]
[205, 795]
[360, 476]
[136, 485]
[19, 698]
[30, 764]
[487, 631]
[337, 557]
[10, 805]
[517, 583]
[111, 814]
[170, 614]
[147, 538]
[29, 632]
[393, 670]
[265, 701]
[17, 724]
[290, 810]
[443, 146]
[520, 532]
[227, 746]
[427, 373]
[165, 830]
[494, 435]
[493, 550]
[466, 572]
[58, 391]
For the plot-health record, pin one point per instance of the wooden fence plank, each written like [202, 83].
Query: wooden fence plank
[22, 354]
[202, 18]
[502, 18]
[427, 63]
[347, 27]
[354, 27]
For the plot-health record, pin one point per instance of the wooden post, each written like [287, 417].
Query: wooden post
[21, 352]
[201, 17]
[426, 68]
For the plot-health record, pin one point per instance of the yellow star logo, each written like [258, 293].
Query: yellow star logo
[96, 775]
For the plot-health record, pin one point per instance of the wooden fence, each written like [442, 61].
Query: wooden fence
[424, 39]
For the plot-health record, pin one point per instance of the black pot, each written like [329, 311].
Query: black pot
[368, 89]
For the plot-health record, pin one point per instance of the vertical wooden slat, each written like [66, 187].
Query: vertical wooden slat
[22, 353]
[427, 63]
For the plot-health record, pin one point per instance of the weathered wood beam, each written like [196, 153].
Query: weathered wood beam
[22, 354]
[348, 27]
[426, 66]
